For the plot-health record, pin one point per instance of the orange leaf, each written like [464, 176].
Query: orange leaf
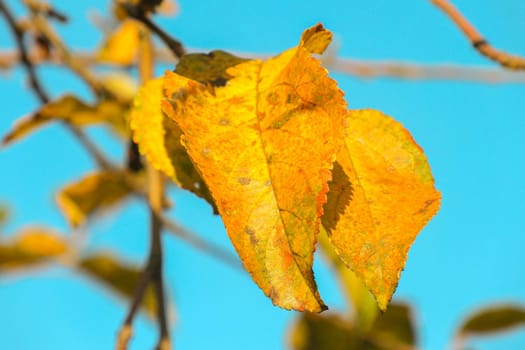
[264, 144]
[382, 194]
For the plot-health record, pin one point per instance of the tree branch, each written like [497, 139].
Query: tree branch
[42, 95]
[478, 41]
[153, 271]
[365, 69]
[24, 57]
[136, 12]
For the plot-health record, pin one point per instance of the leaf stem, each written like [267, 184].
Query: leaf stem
[478, 41]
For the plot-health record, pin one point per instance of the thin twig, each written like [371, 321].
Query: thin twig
[69, 60]
[477, 40]
[174, 45]
[156, 203]
[365, 69]
[153, 271]
[24, 57]
[37, 87]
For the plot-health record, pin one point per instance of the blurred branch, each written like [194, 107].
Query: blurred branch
[477, 40]
[68, 59]
[136, 12]
[18, 34]
[153, 271]
[37, 87]
[365, 69]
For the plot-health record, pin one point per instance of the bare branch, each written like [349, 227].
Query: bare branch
[37, 87]
[136, 12]
[478, 41]
[364, 69]
[24, 57]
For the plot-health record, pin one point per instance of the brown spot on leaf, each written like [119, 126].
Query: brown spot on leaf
[251, 233]
[244, 181]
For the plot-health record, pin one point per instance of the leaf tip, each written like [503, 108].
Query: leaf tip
[316, 39]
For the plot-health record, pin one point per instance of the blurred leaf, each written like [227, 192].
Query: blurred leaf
[393, 330]
[72, 110]
[4, 214]
[158, 138]
[30, 247]
[323, 332]
[120, 84]
[95, 193]
[120, 277]
[263, 137]
[381, 196]
[396, 323]
[492, 320]
[121, 46]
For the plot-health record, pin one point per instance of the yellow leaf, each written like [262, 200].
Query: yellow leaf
[30, 247]
[158, 138]
[120, 277]
[121, 46]
[382, 194]
[94, 193]
[71, 110]
[264, 144]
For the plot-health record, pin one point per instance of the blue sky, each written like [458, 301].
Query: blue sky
[473, 134]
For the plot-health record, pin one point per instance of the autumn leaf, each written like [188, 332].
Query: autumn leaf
[121, 46]
[382, 194]
[122, 278]
[363, 306]
[158, 138]
[393, 329]
[30, 247]
[95, 192]
[264, 141]
[71, 110]
[324, 332]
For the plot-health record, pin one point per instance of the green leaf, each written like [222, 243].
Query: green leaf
[396, 323]
[323, 332]
[391, 331]
[120, 277]
[493, 320]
